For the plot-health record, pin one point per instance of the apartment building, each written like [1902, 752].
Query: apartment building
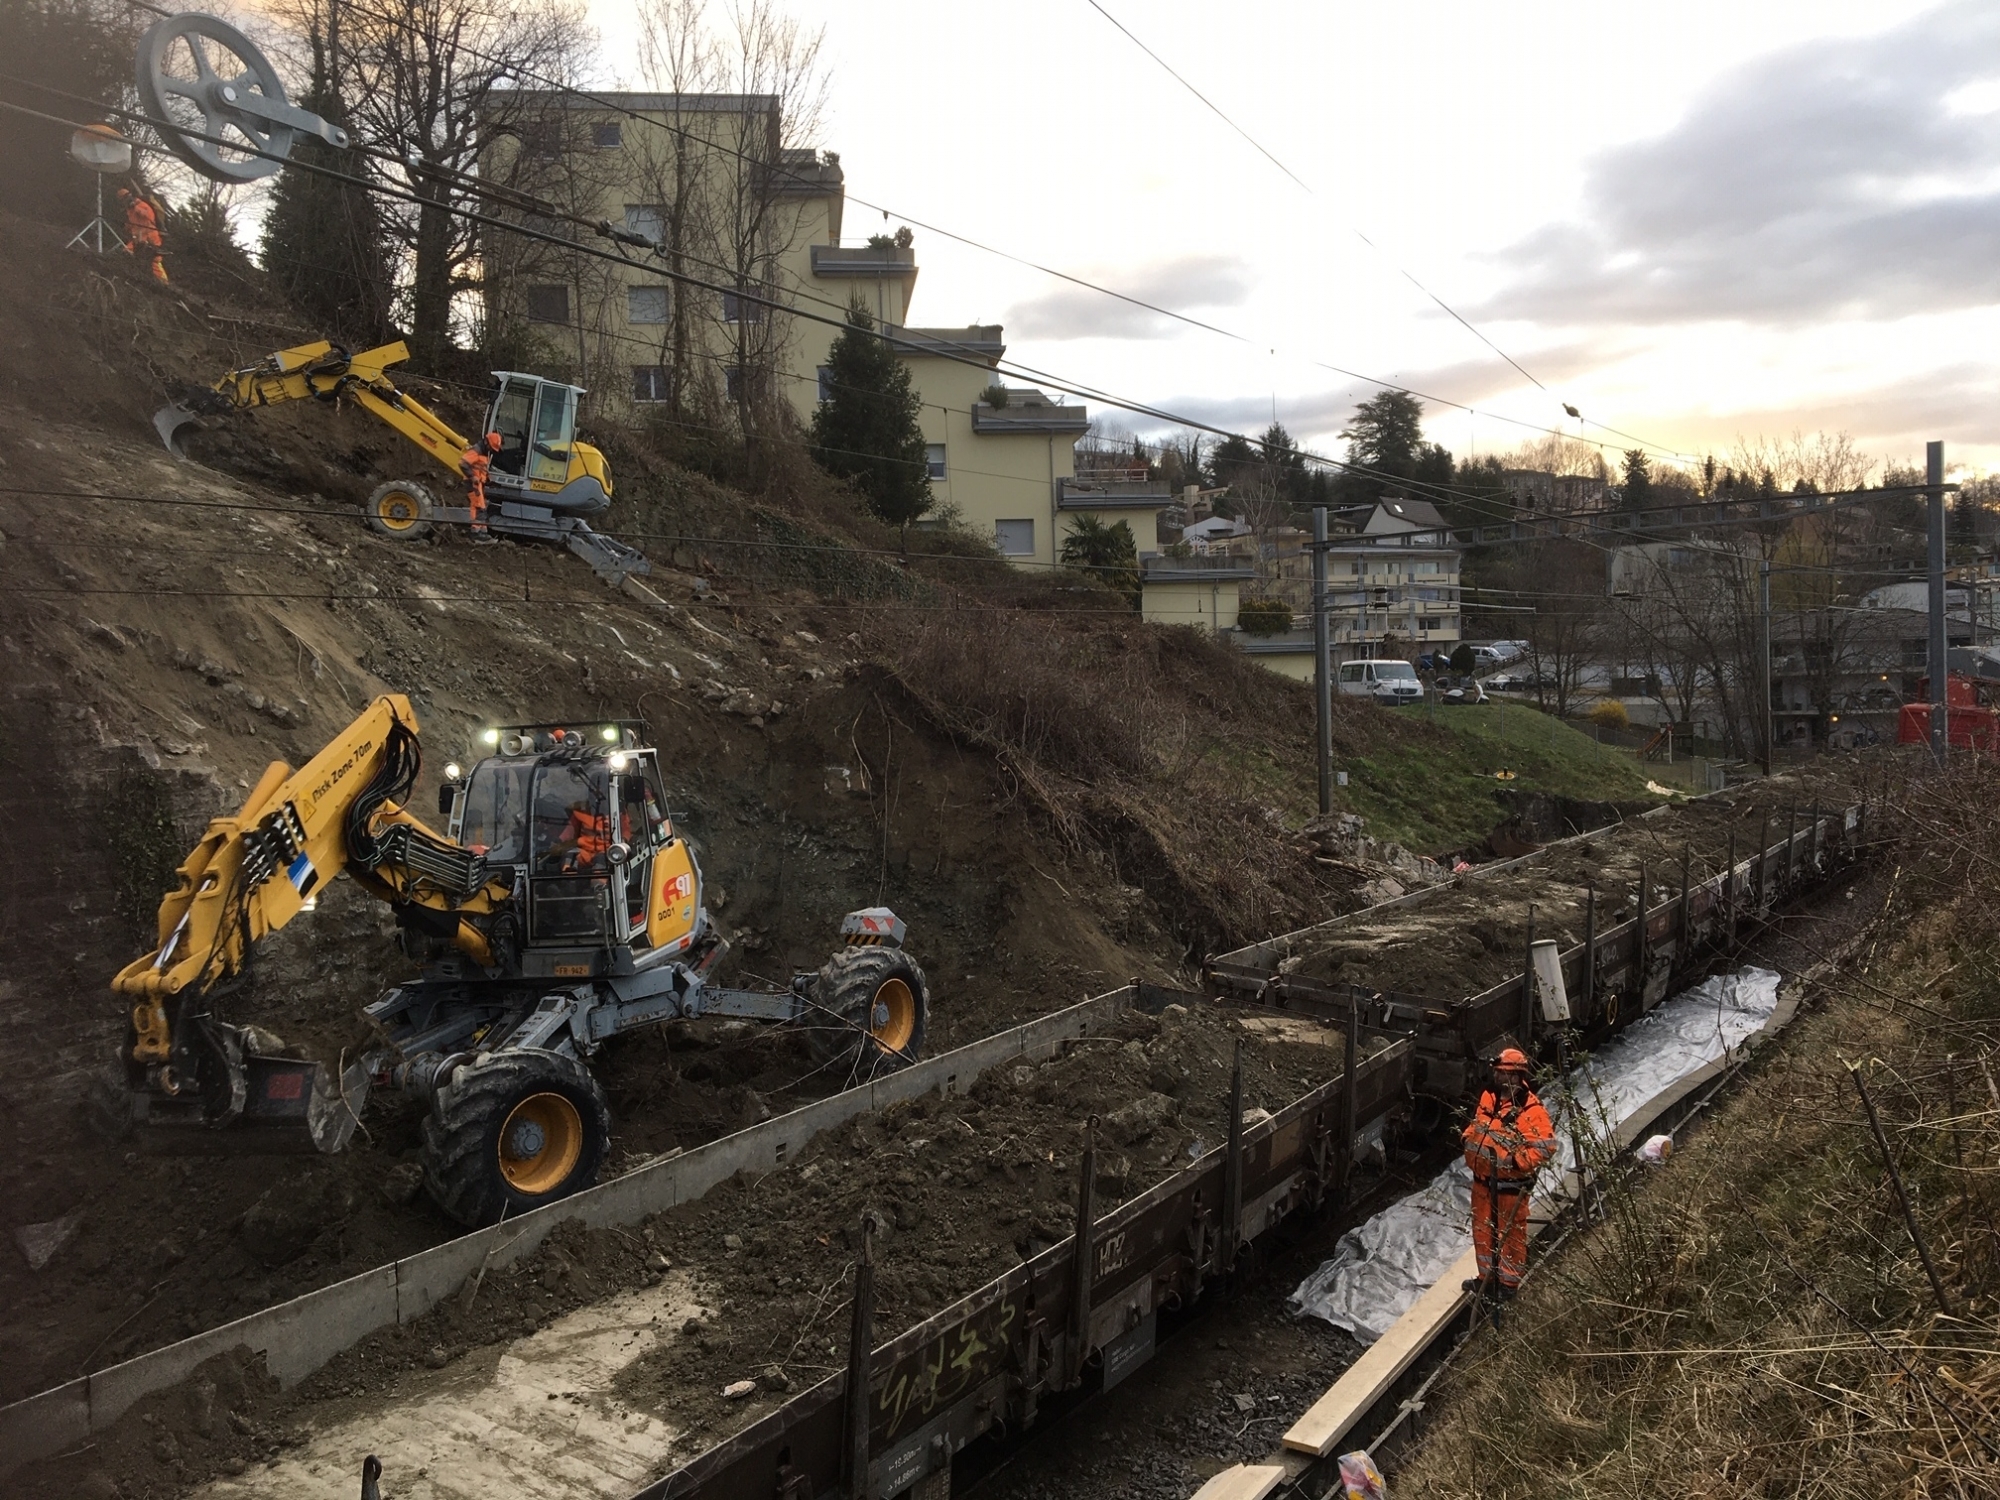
[701, 184]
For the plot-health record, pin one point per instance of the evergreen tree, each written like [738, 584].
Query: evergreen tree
[867, 429]
[1637, 492]
[323, 240]
[1386, 449]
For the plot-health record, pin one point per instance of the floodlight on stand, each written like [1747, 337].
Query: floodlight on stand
[102, 149]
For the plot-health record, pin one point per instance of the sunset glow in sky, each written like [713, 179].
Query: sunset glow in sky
[1689, 223]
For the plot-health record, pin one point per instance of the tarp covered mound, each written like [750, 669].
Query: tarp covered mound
[1380, 1269]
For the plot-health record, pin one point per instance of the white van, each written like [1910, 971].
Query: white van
[1387, 682]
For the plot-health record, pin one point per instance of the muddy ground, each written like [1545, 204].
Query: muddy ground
[961, 1189]
[161, 653]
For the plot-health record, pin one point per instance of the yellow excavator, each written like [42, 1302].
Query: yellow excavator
[543, 481]
[558, 908]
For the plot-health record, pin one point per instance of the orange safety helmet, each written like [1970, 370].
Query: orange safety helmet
[1511, 1060]
[493, 441]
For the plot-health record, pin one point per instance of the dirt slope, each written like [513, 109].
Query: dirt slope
[159, 654]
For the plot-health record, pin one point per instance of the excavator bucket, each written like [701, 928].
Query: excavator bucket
[168, 422]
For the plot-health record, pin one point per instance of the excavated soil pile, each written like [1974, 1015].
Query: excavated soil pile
[961, 1189]
[1461, 940]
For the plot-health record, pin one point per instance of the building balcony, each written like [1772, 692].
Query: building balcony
[1155, 567]
[1030, 411]
[863, 261]
[1087, 493]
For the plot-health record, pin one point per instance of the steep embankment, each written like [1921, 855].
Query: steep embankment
[1054, 800]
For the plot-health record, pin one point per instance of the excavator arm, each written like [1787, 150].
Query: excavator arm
[324, 372]
[254, 872]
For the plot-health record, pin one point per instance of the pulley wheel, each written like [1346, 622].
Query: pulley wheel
[192, 70]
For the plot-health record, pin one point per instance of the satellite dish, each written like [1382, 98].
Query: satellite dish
[102, 149]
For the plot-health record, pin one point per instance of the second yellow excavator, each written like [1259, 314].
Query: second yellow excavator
[543, 480]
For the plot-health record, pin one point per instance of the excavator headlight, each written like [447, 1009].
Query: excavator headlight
[491, 737]
[616, 760]
[453, 771]
[610, 733]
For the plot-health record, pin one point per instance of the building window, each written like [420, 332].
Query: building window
[737, 309]
[934, 459]
[542, 138]
[825, 375]
[1014, 538]
[646, 304]
[646, 220]
[548, 304]
[650, 382]
[607, 134]
[1429, 622]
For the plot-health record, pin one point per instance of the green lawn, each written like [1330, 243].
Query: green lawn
[1433, 791]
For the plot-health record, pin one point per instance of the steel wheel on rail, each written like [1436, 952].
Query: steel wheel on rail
[511, 1131]
[873, 1003]
[400, 511]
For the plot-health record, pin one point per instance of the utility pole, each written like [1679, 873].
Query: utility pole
[1322, 663]
[1764, 631]
[1939, 657]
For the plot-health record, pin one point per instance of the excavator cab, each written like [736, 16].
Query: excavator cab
[587, 826]
[539, 458]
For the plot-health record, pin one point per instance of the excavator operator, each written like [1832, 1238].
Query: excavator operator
[142, 231]
[583, 842]
[476, 463]
[1505, 1145]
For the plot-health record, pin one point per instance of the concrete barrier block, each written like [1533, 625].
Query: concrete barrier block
[42, 1426]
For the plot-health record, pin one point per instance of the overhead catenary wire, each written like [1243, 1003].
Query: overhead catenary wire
[779, 169]
[1401, 270]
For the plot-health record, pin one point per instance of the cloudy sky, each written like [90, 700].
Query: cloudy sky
[1689, 222]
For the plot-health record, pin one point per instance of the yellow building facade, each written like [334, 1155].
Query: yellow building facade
[700, 184]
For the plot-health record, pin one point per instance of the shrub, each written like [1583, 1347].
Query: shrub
[1264, 616]
[1462, 659]
[1610, 714]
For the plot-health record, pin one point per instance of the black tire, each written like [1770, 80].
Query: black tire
[847, 1026]
[400, 511]
[550, 1102]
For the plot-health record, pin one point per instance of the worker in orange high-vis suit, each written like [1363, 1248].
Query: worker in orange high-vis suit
[1505, 1145]
[142, 231]
[475, 464]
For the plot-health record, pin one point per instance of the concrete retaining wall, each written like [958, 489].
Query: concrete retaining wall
[299, 1336]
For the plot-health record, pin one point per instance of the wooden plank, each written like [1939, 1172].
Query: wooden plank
[1328, 1419]
[1244, 1482]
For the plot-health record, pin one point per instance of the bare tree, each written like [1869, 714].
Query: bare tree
[756, 218]
[681, 61]
[1556, 454]
[440, 81]
[1570, 627]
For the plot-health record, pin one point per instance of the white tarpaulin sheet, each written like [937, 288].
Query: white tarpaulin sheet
[1380, 1269]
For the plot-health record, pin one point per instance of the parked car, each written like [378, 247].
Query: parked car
[1508, 682]
[1387, 682]
[1487, 658]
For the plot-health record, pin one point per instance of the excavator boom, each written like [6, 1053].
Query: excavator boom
[254, 872]
[327, 372]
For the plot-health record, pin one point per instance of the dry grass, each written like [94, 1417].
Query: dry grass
[1755, 1320]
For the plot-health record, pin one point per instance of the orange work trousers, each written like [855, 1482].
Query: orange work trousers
[1500, 1221]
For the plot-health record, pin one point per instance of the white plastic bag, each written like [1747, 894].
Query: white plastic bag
[1360, 1479]
[1657, 1150]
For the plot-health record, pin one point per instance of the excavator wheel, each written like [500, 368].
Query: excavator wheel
[511, 1131]
[873, 1003]
[400, 510]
